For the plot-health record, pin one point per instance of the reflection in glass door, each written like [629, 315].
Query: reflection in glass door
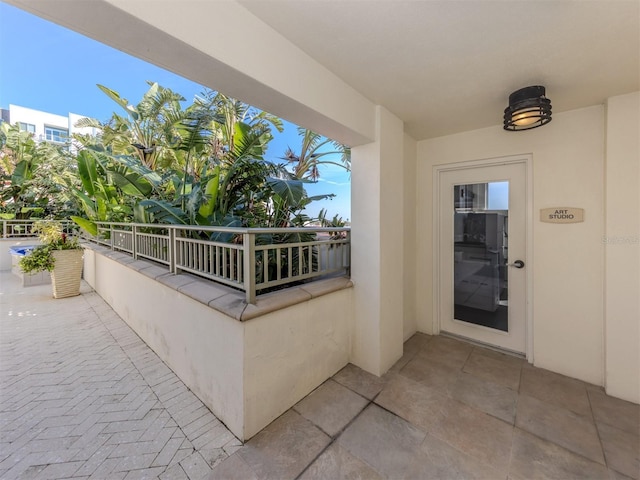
[481, 289]
[481, 233]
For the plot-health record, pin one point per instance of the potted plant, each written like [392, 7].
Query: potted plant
[59, 254]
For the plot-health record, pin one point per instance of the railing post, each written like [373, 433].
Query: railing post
[249, 266]
[172, 251]
[4, 229]
[348, 253]
[134, 239]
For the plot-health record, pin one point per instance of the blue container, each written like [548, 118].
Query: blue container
[21, 250]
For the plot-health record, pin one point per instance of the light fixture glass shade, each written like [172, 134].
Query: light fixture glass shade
[528, 108]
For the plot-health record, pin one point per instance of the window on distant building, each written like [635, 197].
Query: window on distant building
[27, 127]
[56, 135]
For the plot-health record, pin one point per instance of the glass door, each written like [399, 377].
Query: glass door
[482, 241]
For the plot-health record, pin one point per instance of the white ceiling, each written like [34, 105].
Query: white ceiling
[445, 66]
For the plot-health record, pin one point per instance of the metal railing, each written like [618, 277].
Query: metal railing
[24, 228]
[249, 259]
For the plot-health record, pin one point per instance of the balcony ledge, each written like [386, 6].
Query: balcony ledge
[225, 299]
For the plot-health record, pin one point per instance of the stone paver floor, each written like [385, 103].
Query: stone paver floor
[81, 396]
[446, 410]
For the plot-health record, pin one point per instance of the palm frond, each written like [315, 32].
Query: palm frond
[88, 122]
[249, 142]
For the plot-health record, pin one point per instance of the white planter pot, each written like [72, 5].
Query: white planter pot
[66, 275]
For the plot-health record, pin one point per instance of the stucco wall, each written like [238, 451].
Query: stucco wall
[290, 352]
[567, 263]
[410, 325]
[202, 346]
[247, 372]
[622, 248]
[377, 246]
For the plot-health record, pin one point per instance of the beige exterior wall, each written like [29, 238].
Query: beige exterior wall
[622, 248]
[248, 373]
[288, 353]
[568, 260]
[203, 347]
[410, 325]
[377, 247]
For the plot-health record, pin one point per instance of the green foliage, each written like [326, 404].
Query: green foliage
[87, 225]
[159, 162]
[336, 221]
[53, 237]
[211, 193]
[52, 234]
[32, 176]
[314, 151]
[164, 212]
[149, 128]
[38, 260]
[112, 185]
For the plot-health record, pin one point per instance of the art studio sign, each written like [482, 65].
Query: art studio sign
[562, 215]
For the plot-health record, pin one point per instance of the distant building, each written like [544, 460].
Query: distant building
[46, 127]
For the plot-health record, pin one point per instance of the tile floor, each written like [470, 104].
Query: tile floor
[81, 396]
[446, 410]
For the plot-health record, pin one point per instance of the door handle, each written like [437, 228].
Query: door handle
[517, 264]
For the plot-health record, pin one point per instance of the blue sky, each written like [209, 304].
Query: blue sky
[47, 67]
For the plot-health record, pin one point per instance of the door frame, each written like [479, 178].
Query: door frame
[527, 160]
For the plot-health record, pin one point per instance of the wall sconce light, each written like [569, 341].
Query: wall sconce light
[528, 108]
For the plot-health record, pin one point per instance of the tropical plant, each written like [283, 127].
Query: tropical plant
[147, 131]
[204, 165]
[32, 175]
[316, 150]
[288, 201]
[336, 221]
[99, 197]
[222, 142]
[37, 260]
[231, 112]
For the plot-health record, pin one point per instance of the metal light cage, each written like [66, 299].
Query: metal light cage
[528, 108]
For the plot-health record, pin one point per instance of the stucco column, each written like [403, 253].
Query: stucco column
[377, 239]
[622, 248]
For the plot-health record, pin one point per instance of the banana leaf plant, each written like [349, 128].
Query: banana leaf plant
[147, 131]
[111, 187]
[30, 173]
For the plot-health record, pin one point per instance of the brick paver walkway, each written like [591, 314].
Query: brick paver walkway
[82, 396]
